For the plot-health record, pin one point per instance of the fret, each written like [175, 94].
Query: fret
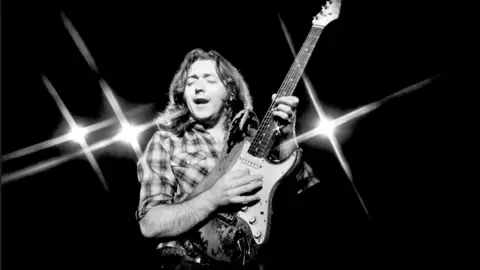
[301, 62]
[312, 42]
[299, 68]
[267, 132]
[304, 58]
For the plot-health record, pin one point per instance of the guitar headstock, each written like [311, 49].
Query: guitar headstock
[330, 11]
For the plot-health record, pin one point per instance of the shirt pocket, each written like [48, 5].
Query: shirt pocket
[189, 170]
[188, 159]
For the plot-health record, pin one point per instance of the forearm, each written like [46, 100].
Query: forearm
[286, 148]
[171, 220]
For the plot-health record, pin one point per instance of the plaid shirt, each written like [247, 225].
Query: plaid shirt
[171, 166]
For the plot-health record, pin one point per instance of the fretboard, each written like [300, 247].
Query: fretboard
[262, 141]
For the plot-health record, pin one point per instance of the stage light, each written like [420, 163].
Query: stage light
[78, 134]
[326, 127]
[128, 134]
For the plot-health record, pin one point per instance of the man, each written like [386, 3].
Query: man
[206, 95]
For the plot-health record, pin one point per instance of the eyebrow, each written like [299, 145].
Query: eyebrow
[195, 76]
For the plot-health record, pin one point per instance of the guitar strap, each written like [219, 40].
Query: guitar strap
[243, 125]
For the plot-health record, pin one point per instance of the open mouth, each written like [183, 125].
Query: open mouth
[201, 101]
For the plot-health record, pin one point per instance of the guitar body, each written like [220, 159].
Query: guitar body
[237, 236]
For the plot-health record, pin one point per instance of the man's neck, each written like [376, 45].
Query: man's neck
[217, 130]
[218, 134]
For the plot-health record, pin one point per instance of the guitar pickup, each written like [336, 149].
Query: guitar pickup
[250, 163]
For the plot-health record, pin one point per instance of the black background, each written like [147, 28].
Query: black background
[400, 154]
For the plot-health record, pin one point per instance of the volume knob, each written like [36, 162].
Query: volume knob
[257, 234]
[252, 219]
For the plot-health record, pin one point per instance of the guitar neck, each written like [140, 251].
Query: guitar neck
[261, 143]
[296, 70]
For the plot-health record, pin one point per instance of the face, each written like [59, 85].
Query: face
[205, 92]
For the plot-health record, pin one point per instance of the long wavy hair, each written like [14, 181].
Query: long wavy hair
[176, 116]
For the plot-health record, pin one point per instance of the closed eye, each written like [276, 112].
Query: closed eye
[190, 82]
[211, 79]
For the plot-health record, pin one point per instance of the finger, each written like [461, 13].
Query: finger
[246, 180]
[291, 101]
[239, 173]
[281, 115]
[245, 199]
[249, 187]
[274, 96]
[285, 108]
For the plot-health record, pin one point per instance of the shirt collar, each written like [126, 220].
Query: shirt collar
[194, 124]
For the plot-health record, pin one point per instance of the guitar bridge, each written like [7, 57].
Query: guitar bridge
[228, 218]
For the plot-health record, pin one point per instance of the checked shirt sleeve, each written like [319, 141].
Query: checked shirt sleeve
[157, 181]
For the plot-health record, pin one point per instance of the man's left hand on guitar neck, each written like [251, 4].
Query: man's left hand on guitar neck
[284, 111]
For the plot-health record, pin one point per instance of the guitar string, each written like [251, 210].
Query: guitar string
[296, 70]
[268, 117]
[265, 127]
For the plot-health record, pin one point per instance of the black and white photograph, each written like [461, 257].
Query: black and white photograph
[232, 135]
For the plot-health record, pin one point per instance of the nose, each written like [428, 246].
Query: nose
[199, 86]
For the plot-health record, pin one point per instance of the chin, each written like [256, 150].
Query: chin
[202, 116]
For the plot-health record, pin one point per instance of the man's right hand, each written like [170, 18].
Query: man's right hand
[229, 189]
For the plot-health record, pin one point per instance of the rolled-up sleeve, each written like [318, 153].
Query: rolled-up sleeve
[157, 181]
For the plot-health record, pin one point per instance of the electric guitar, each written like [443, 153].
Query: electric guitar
[238, 235]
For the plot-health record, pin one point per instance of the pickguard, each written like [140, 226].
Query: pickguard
[238, 235]
[257, 215]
